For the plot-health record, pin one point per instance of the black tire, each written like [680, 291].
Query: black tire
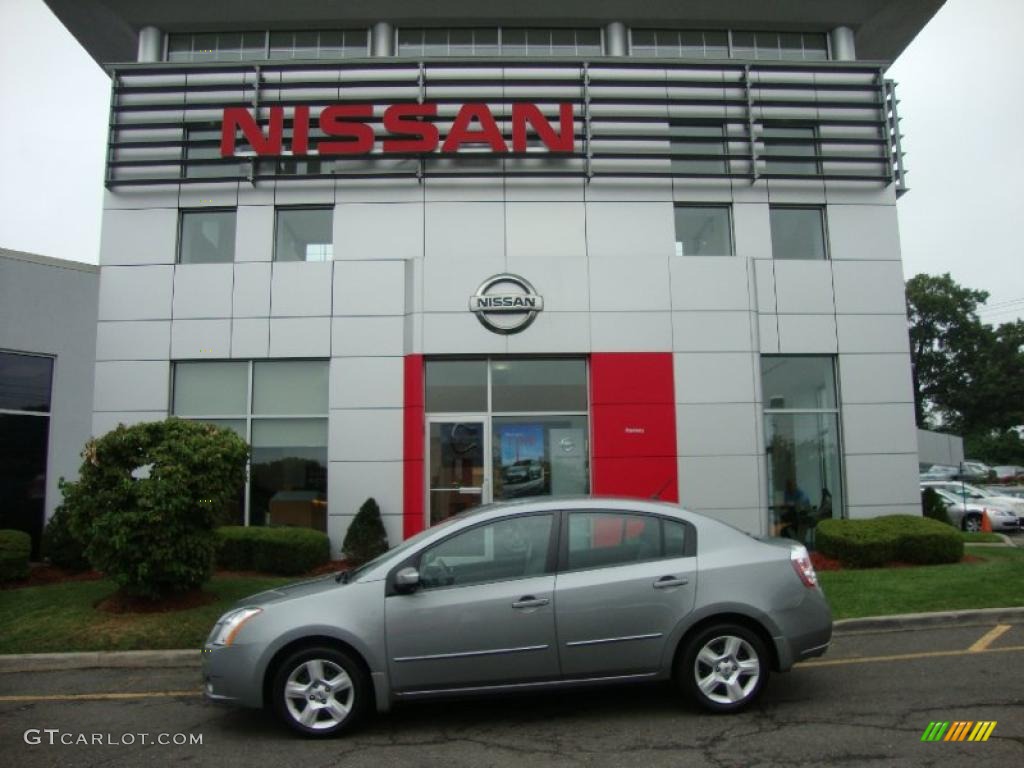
[969, 520]
[325, 708]
[743, 688]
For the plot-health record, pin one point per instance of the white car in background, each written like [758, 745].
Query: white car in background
[967, 515]
[973, 493]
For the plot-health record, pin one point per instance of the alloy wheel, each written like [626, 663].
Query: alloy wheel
[319, 694]
[727, 669]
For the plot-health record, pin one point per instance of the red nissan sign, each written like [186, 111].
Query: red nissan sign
[407, 125]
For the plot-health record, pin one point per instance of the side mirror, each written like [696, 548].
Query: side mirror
[407, 580]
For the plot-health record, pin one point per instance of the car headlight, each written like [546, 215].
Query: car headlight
[230, 623]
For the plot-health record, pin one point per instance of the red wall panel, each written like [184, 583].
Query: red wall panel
[413, 439]
[633, 425]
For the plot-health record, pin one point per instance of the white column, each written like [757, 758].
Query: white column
[843, 48]
[151, 44]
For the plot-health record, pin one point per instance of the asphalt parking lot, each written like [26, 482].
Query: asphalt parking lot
[866, 703]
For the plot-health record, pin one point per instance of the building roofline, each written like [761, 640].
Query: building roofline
[48, 261]
[108, 29]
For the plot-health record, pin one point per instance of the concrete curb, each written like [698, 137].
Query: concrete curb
[926, 620]
[48, 662]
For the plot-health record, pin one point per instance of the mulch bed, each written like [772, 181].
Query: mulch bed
[44, 574]
[119, 602]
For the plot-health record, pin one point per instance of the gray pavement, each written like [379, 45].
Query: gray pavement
[866, 703]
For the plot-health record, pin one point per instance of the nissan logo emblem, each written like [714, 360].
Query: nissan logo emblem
[506, 303]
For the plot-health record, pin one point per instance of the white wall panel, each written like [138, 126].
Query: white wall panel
[875, 379]
[553, 332]
[719, 482]
[254, 233]
[369, 287]
[300, 289]
[367, 336]
[300, 337]
[378, 231]
[807, 334]
[146, 236]
[715, 377]
[367, 382]
[879, 428]
[869, 287]
[251, 293]
[717, 429]
[365, 434]
[863, 232]
[131, 386]
[882, 479]
[631, 331]
[138, 340]
[706, 282]
[804, 286]
[195, 339]
[136, 293]
[712, 331]
[203, 290]
[630, 231]
[873, 333]
[752, 227]
[250, 338]
[626, 284]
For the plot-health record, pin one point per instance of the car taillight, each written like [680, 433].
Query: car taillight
[802, 565]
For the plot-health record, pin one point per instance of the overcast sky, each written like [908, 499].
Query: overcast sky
[959, 86]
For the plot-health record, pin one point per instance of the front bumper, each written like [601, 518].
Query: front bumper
[231, 675]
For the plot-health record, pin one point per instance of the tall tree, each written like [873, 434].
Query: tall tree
[945, 335]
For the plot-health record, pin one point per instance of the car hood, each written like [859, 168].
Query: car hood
[292, 591]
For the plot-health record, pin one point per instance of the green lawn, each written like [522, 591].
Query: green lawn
[995, 583]
[61, 617]
[981, 538]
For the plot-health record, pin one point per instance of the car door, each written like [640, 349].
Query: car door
[624, 582]
[484, 612]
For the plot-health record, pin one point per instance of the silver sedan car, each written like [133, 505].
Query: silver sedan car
[527, 595]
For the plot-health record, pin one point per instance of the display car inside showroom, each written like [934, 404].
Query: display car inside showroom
[453, 254]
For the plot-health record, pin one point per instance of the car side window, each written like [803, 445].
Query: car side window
[513, 548]
[600, 539]
[675, 538]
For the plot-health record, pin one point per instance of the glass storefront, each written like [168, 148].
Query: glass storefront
[503, 429]
[802, 436]
[280, 408]
[25, 386]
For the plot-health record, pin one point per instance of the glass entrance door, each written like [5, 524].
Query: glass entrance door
[457, 474]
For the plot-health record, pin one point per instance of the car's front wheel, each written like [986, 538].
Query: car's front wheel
[723, 667]
[320, 691]
[972, 523]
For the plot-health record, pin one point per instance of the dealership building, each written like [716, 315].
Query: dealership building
[443, 253]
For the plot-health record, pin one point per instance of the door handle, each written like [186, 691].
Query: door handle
[671, 581]
[530, 602]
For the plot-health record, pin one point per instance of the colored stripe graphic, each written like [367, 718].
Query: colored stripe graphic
[959, 730]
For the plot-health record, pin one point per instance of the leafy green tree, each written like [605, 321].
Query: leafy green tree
[148, 499]
[945, 333]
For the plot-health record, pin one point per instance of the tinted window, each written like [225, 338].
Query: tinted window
[703, 231]
[599, 539]
[675, 538]
[25, 382]
[539, 385]
[797, 233]
[207, 237]
[456, 385]
[304, 234]
[513, 548]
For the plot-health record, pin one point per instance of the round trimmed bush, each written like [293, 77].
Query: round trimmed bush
[147, 500]
[15, 547]
[875, 541]
[280, 550]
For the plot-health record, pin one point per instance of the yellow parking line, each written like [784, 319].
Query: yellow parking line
[989, 637]
[99, 696]
[904, 657]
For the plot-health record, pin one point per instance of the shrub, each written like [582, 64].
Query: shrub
[875, 541]
[15, 547]
[153, 534]
[366, 537]
[285, 551]
[60, 546]
[933, 508]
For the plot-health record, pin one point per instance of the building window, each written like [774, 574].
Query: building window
[680, 43]
[25, 387]
[280, 408]
[319, 44]
[785, 146]
[787, 46]
[262, 45]
[722, 44]
[207, 237]
[505, 428]
[801, 414]
[703, 230]
[698, 150]
[504, 41]
[217, 46]
[304, 234]
[798, 232]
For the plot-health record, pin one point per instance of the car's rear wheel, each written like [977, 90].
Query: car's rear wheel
[972, 523]
[320, 691]
[723, 668]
